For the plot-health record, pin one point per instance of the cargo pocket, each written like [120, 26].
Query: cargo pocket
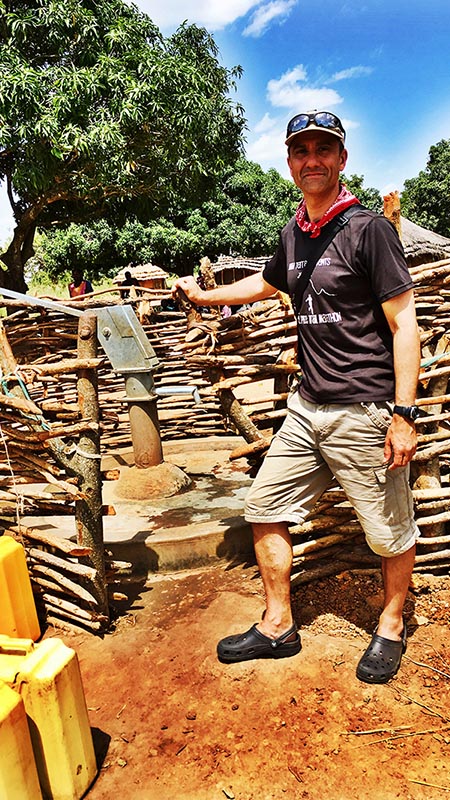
[398, 506]
[381, 474]
[379, 414]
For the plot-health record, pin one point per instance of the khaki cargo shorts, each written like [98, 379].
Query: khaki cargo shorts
[317, 442]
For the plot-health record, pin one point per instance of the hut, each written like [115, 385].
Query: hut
[228, 269]
[421, 245]
[149, 276]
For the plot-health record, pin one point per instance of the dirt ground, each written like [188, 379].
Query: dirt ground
[171, 722]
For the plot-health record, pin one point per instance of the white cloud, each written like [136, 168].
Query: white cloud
[295, 74]
[351, 72]
[268, 150]
[291, 91]
[267, 146]
[307, 98]
[265, 14]
[349, 124]
[265, 124]
[213, 14]
[216, 14]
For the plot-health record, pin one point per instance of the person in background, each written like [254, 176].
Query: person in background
[351, 416]
[128, 281]
[79, 285]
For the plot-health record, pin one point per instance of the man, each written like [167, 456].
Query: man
[128, 281]
[352, 415]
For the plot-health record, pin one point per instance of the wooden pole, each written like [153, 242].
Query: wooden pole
[234, 411]
[88, 510]
[391, 210]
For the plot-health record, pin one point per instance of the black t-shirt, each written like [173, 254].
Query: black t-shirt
[345, 344]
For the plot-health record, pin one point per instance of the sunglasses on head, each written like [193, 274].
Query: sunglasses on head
[322, 119]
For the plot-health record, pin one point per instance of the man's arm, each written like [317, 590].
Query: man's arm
[401, 438]
[247, 290]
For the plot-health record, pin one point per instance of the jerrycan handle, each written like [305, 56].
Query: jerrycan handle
[15, 647]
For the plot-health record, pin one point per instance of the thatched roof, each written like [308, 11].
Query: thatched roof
[239, 262]
[143, 272]
[421, 245]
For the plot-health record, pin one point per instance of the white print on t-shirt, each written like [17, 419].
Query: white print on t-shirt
[309, 299]
[319, 319]
[322, 262]
[312, 318]
[321, 291]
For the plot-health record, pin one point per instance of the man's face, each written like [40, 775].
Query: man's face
[315, 161]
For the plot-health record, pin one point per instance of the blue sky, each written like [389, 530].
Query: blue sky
[382, 66]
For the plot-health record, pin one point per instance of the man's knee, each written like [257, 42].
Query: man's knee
[261, 529]
[389, 546]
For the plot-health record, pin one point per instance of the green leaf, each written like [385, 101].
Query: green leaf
[89, 89]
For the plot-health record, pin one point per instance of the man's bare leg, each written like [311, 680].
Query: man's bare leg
[273, 548]
[396, 577]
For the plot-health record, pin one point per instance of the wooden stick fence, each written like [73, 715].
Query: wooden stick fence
[219, 356]
[262, 346]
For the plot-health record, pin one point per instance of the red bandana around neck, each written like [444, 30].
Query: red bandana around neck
[343, 201]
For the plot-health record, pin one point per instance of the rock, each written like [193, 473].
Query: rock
[418, 619]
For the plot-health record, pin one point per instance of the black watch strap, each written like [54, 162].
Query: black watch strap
[409, 412]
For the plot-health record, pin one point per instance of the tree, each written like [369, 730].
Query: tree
[90, 248]
[244, 217]
[100, 116]
[369, 197]
[426, 199]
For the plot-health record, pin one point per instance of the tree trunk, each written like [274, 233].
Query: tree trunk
[15, 258]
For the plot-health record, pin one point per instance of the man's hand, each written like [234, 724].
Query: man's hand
[191, 289]
[401, 442]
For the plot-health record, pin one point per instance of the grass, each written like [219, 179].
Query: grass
[60, 290]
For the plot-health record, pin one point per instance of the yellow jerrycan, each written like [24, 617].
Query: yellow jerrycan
[18, 775]
[47, 678]
[18, 615]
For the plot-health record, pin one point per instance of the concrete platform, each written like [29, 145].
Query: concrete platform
[202, 523]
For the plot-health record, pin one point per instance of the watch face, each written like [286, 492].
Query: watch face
[409, 412]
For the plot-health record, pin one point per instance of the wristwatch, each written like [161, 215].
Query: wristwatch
[409, 412]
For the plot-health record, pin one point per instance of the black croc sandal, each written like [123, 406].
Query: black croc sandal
[253, 644]
[382, 659]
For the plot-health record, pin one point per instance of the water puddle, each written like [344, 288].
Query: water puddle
[207, 498]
